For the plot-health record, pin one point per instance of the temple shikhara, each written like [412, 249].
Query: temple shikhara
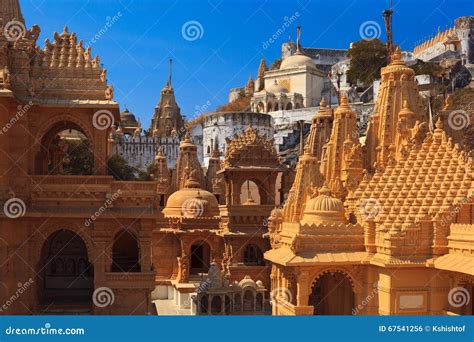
[228, 222]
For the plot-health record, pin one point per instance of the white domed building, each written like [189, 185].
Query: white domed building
[296, 84]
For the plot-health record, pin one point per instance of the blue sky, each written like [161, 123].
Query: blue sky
[144, 34]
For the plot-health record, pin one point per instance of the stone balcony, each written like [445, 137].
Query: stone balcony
[82, 196]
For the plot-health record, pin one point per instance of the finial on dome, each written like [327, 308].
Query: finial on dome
[187, 136]
[396, 56]
[324, 191]
[298, 40]
[159, 154]
[344, 100]
[439, 124]
[65, 31]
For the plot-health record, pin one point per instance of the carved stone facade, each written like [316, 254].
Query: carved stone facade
[196, 231]
[398, 240]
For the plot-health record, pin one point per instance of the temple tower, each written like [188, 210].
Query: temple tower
[398, 85]
[167, 117]
[162, 175]
[310, 162]
[342, 156]
[214, 181]
[262, 68]
[187, 162]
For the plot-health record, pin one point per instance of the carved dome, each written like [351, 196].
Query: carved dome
[323, 208]
[128, 119]
[297, 60]
[249, 282]
[275, 88]
[191, 203]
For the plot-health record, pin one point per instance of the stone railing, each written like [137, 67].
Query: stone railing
[130, 280]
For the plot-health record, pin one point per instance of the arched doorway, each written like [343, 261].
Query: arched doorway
[65, 149]
[253, 255]
[67, 276]
[259, 302]
[216, 305]
[125, 253]
[269, 107]
[227, 305]
[203, 305]
[289, 106]
[249, 193]
[332, 294]
[249, 301]
[237, 303]
[200, 258]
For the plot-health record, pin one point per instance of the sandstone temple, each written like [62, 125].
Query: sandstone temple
[381, 226]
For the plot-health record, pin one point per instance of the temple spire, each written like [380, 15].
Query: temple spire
[298, 39]
[10, 10]
[171, 71]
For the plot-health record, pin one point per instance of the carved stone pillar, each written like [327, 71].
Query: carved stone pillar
[303, 288]
[183, 263]
[145, 246]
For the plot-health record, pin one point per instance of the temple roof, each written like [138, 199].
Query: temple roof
[250, 149]
[432, 178]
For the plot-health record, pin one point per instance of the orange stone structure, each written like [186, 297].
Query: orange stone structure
[375, 229]
[66, 235]
[393, 238]
[196, 231]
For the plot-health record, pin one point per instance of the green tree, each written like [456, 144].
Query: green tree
[426, 68]
[367, 57]
[119, 168]
[79, 160]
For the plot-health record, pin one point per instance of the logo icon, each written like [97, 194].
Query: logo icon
[103, 119]
[192, 30]
[14, 30]
[14, 208]
[370, 30]
[103, 296]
